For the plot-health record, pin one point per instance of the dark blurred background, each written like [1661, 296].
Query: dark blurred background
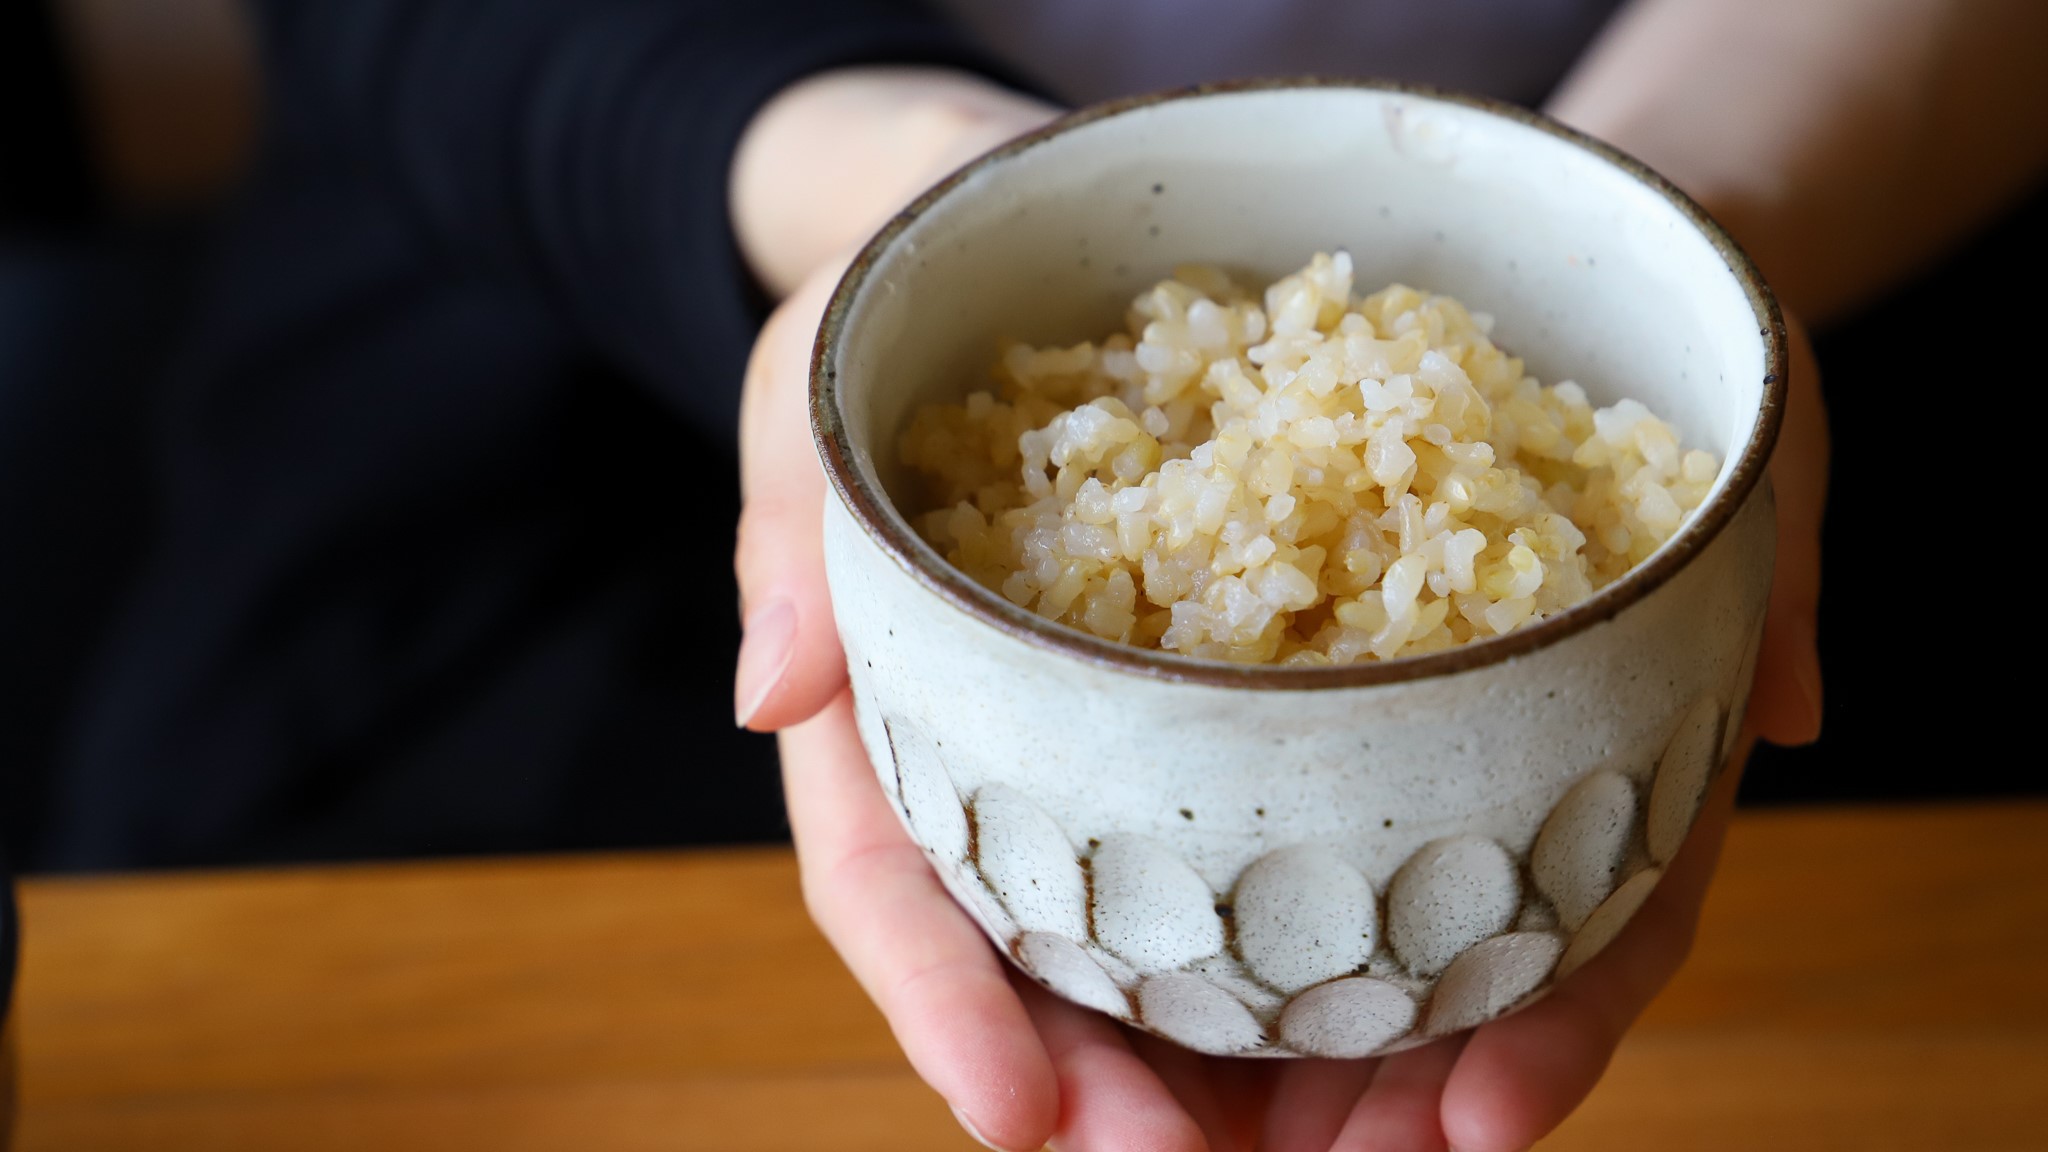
[592, 709]
[318, 541]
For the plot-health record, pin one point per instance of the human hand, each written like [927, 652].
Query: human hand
[1022, 1068]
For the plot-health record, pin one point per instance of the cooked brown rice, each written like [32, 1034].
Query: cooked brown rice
[1317, 480]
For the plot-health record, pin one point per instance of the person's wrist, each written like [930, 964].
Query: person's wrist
[878, 136]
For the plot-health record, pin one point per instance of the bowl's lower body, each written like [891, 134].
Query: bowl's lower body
[1303, 955]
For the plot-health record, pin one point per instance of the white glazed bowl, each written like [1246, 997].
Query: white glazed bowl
[1311, 861]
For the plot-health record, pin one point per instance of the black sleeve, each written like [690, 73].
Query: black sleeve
[583, 143]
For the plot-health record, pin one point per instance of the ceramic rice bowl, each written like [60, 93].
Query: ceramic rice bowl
[1335, 861]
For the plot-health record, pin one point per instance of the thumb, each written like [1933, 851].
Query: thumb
[790, 664]
[1785, 705]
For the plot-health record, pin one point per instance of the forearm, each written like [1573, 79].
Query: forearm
[824, 164]
[1844, 142]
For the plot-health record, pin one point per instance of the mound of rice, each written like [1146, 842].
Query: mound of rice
[1308, 479]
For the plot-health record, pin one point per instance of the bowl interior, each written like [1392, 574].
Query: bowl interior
[1593, 272]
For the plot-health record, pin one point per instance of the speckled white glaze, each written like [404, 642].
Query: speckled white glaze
[1304, 916]
[1580, 853]
[1337, 863]
[1354, 1016]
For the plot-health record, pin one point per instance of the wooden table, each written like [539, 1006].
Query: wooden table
[1866, 980]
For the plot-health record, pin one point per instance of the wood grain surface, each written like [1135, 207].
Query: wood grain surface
[1872, 980]
[6, 1086]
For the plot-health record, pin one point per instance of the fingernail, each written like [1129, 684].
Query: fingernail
[971, 1130]
[764, 656]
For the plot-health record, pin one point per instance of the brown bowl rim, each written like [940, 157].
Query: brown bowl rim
[871, 507]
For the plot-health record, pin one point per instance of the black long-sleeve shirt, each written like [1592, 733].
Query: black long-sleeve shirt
[579, 149]
[444, 475]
